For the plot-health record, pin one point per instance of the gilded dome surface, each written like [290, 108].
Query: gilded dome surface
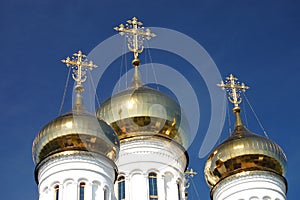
[75, 131]
[143, 111]
[244, 151]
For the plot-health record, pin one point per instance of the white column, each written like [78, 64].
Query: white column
[161, 187]
[127, 187]
[60, 192]
[171, 187]
[97, 192]
[44, 194]
[88, 191]
[70, 190]
[138, 187]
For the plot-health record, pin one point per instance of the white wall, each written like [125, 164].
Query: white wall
[137, 158]
[69, 171]
[255, 185]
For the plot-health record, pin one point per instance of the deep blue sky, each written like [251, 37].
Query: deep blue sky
[256, 40]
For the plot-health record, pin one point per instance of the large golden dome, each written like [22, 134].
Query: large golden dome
[76, 130]
[244, 151]
[141, 111]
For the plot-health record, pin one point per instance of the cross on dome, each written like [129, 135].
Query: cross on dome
[234, 89]
[135, 34]
[79, 67]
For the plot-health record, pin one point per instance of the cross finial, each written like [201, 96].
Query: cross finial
[79, 65]
[234, 89]
[190, 173]
[135, 34]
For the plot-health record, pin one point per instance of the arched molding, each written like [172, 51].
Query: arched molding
[266, 198]
[45, 189]
[96, 182]
[169, 174]
[135, 172]
[82, 180]
[154, 170]
[68, 181]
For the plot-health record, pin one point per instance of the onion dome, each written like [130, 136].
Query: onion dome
[76, 131]
[140, 111]
[243, 151]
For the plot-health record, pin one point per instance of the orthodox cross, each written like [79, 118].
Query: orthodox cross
[234, 89]
[135, 34]
[79, 67]
[190, 172]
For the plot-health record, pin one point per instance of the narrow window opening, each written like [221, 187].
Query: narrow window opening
[178, 189]
[105, 194]
[56, 192]
[121, 188]
[152, 177]
[81, 191]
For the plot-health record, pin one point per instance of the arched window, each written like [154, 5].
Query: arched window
[105, 194]
[56, 192]
[81, 191]
[152, 177]
[121, 188]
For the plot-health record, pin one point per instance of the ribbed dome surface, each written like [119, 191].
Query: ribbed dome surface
[71, 131]
[142, 111]
[244, 151]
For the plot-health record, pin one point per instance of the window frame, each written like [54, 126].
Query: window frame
[82, 187]
[152, 186]
[121, 188]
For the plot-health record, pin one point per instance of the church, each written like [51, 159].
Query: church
[131, 149]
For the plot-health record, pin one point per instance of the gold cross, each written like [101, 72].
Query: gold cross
[190, 172]
[234, 89]
[135, 36]
[79, 67]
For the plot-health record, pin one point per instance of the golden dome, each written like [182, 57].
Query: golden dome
[77, 130]
[244, 151]
[142, 111]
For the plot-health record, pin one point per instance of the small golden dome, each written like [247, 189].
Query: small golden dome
[142, 111]
[75, 131]
[244, 151]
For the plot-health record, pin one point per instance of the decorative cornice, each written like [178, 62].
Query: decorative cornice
[157, 143]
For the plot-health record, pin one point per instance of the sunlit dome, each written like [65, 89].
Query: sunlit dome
[75, 131]
[142, 111]
[243, 152]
